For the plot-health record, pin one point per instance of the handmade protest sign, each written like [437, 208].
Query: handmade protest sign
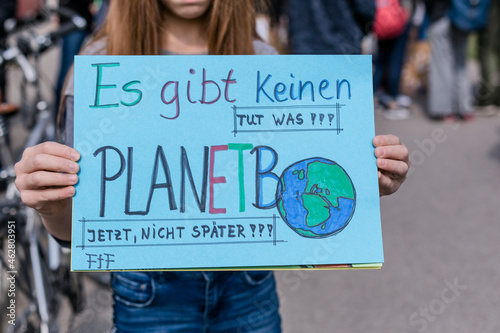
[218, 162]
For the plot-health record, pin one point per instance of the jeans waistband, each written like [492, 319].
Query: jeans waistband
[186, 275]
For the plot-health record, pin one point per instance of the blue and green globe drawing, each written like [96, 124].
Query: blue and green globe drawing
[316, 197]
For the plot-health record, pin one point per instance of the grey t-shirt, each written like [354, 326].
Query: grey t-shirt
[99, 48]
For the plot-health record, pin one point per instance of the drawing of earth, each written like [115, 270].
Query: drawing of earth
[316, 197]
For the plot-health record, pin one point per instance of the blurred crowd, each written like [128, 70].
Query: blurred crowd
[419, 47]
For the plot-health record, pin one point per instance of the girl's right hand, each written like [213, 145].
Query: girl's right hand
[45, 177]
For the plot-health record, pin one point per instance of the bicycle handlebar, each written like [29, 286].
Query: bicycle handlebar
[26, 45]
[76, 23]
[13, 25]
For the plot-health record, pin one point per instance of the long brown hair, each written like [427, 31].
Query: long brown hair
[134, 27]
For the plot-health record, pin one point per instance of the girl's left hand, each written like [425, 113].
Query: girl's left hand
[392, 161]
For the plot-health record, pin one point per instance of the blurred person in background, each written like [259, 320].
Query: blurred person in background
[418, 54]
[449, 93]
[329, 27]
[391, 27]
[489, 60]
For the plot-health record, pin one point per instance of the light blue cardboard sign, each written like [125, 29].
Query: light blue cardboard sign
[224, 161]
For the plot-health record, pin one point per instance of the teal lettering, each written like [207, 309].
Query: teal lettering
[137, 91]
[100, 86]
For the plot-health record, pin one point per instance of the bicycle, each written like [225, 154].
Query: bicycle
[29, 255]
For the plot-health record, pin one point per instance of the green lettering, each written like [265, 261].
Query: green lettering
[240, 147]
[100, 86]
[137, 91]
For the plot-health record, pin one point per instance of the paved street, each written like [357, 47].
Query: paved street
[441, 271]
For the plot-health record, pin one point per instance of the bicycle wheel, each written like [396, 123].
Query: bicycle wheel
[47, 295]
[51, 284]
[18, 299]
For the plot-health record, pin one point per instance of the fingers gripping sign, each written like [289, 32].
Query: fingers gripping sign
[392, 162]
[46, 174]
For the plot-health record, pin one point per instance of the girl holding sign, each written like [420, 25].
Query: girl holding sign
[47, 173]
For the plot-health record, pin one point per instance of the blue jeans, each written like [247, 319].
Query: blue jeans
[195, 302]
